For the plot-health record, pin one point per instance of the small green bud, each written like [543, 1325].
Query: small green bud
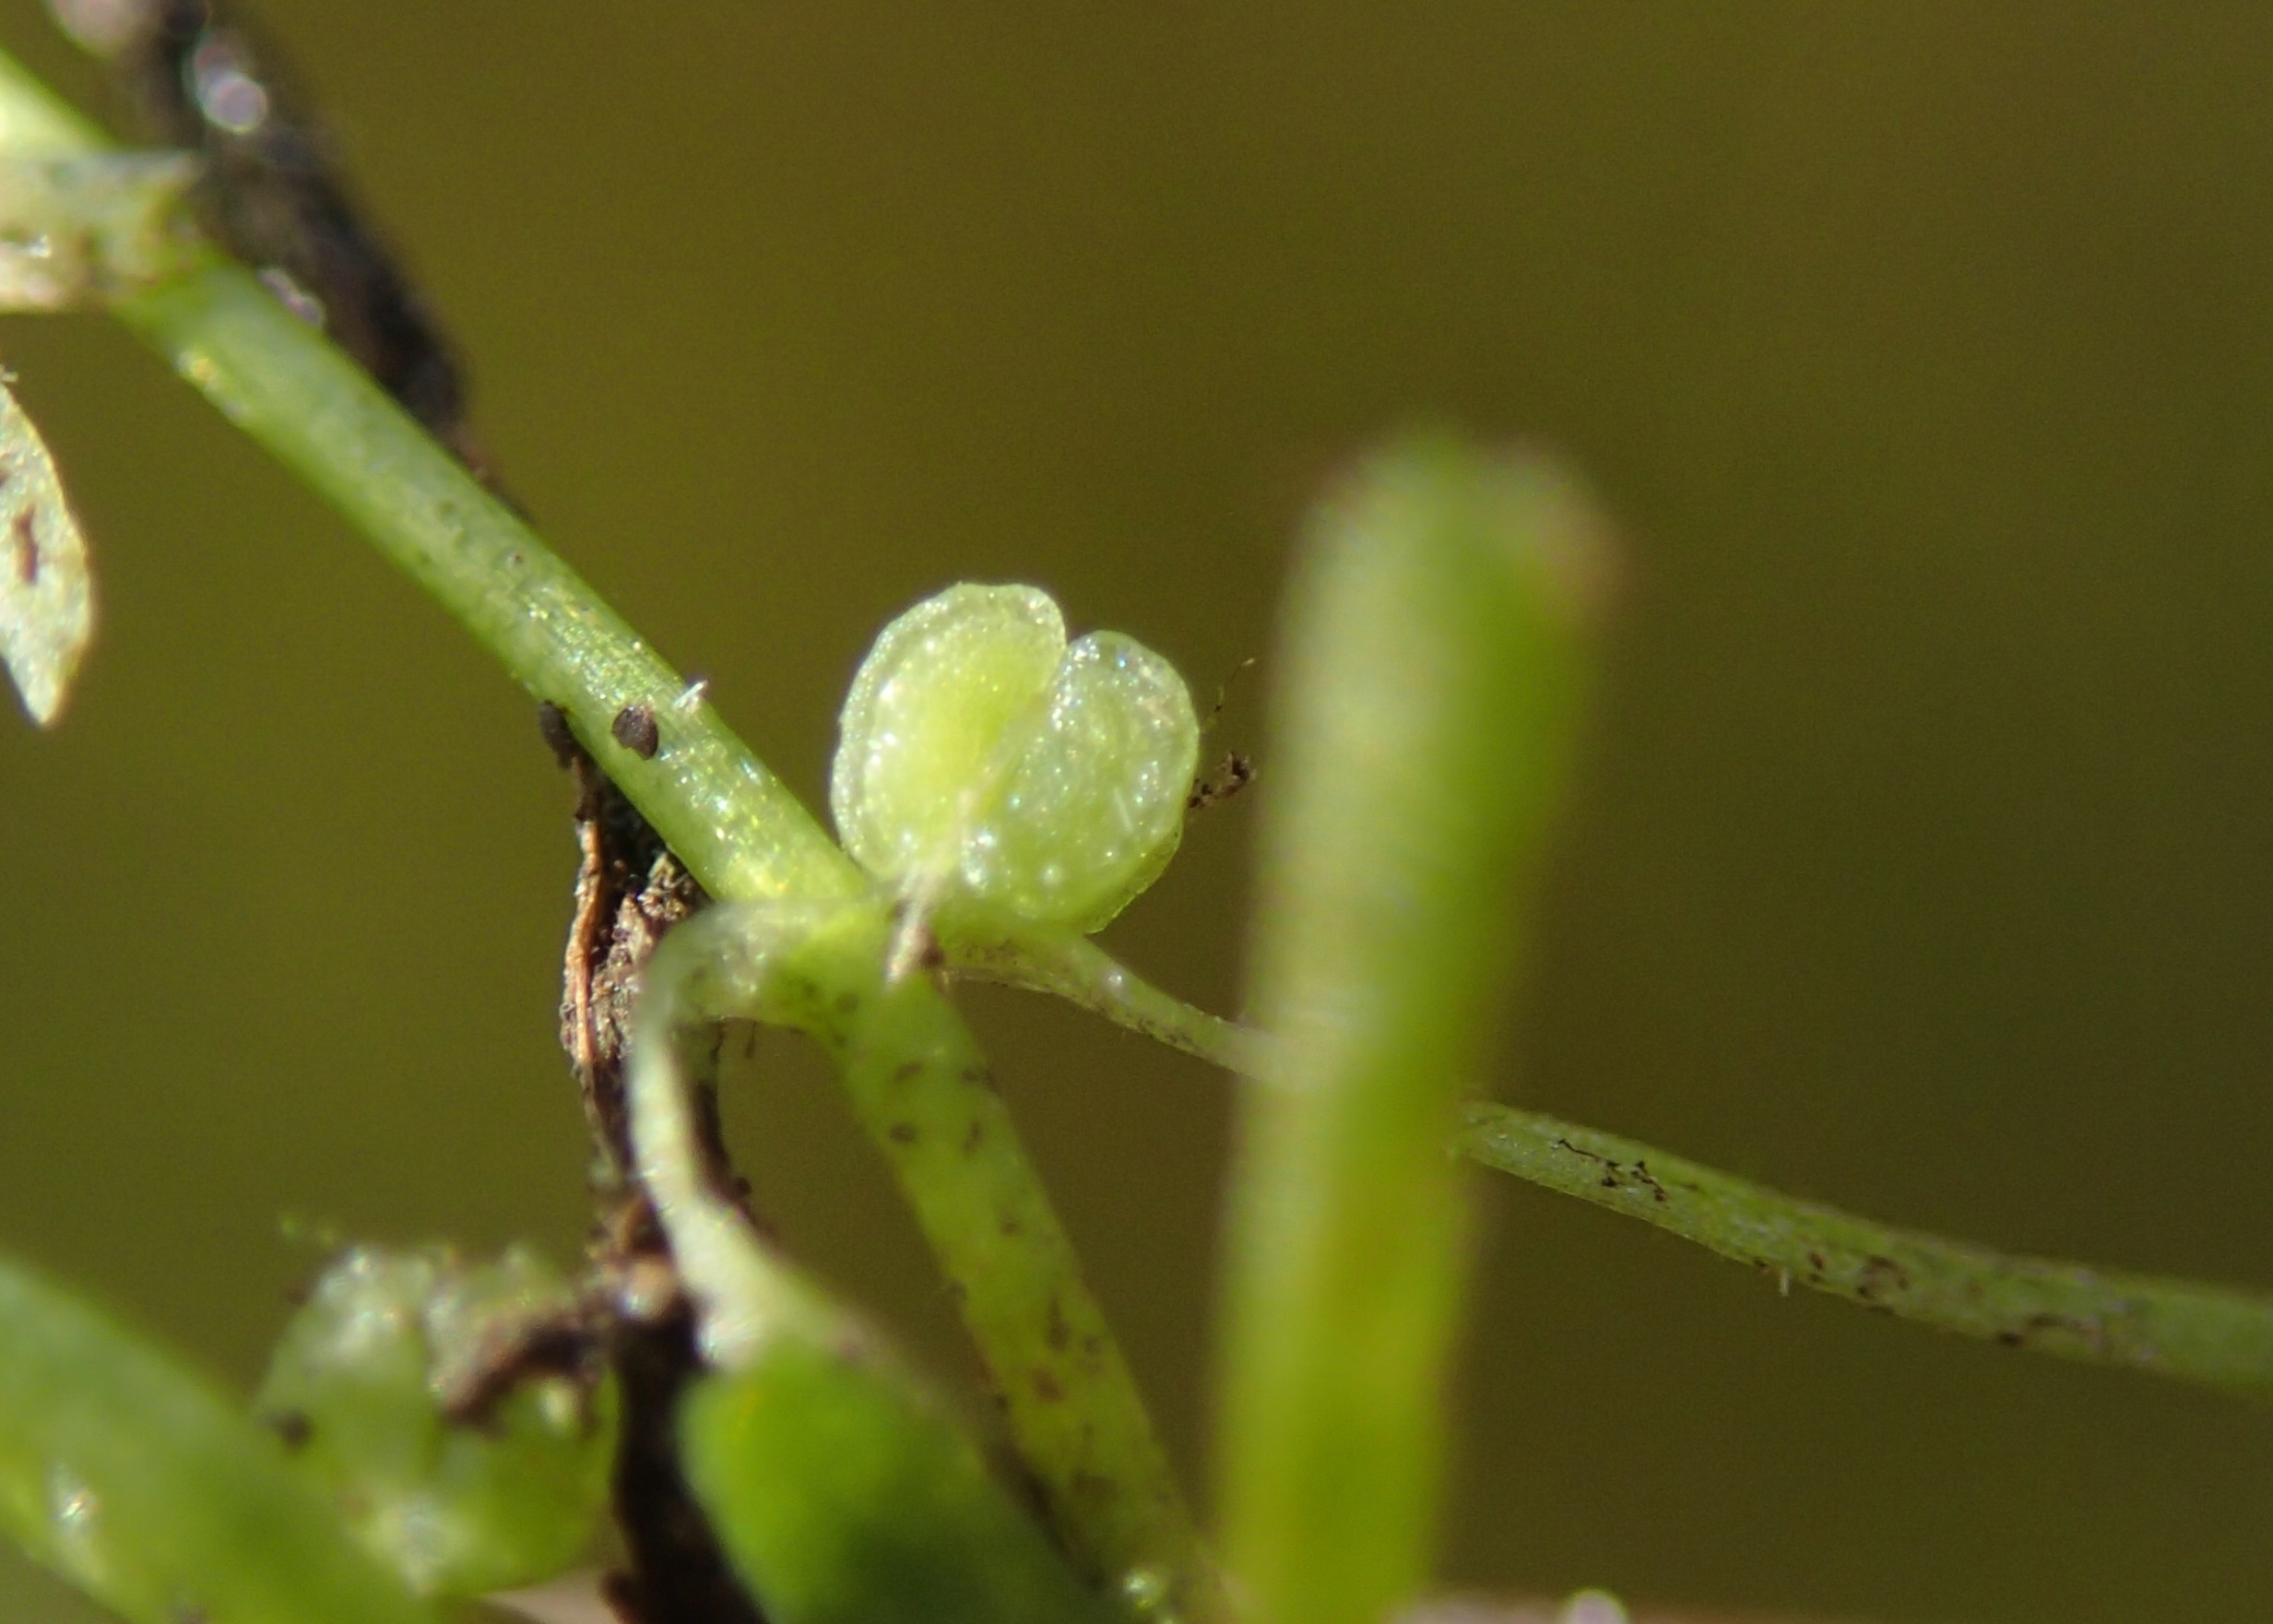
[980, 754]
[427, 1396]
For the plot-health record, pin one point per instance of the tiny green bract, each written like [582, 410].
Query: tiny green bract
[983, 755]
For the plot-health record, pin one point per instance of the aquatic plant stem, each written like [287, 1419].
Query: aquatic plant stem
[2191, 1331]
[731, 821]
[2213, 1335]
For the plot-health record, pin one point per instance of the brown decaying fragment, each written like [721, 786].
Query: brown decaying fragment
[630, 891]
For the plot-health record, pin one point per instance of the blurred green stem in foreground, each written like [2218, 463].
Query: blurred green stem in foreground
[1435, 658]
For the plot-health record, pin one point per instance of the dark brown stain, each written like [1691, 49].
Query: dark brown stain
[565, 1342]
[24, 550]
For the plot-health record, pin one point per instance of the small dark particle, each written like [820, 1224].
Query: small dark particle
[293, 1426]
[635, 729]
[902, 1134]
[1233, 774]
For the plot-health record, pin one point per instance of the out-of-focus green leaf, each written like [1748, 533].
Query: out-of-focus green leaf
[135, 1480]
[447, 1407]
[842, 1498]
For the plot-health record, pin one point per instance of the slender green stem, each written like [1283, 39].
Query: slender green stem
[732, 822]
[2206, 1334]
[844, 1493]
[2214, 1336]
[1052, 959]
[729, 819]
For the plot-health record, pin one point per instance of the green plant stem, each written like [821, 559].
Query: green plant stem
[2213, 1335]
[733, 823]
[2205, 1334]
[729, 819]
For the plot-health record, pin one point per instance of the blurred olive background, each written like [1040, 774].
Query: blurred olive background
[1925, 863]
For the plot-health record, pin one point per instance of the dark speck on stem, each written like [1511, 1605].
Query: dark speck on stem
[635, 729]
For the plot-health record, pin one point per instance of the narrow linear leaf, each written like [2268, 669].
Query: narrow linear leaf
[1436, 653]
[131, 1477]
[47, 594]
